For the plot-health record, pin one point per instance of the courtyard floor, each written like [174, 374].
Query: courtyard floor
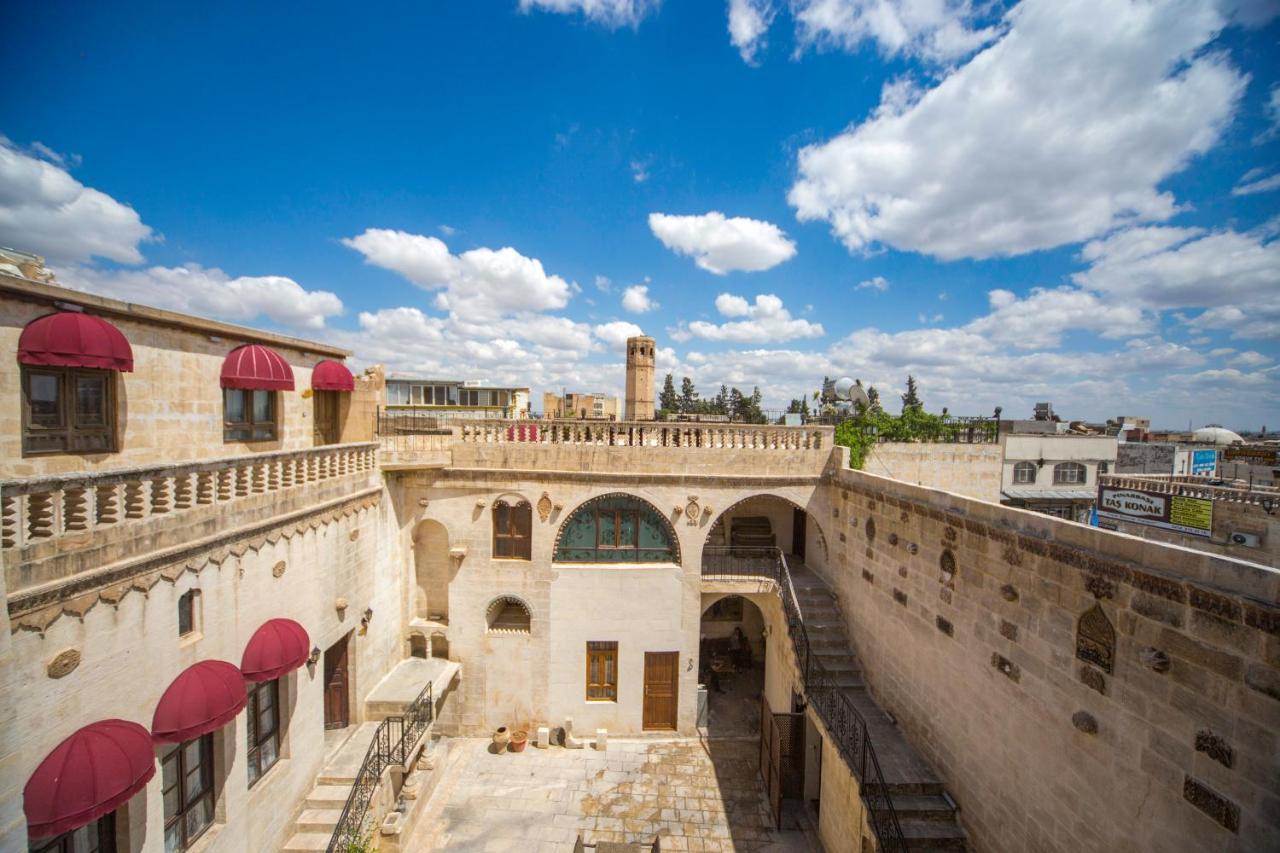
[693, 794]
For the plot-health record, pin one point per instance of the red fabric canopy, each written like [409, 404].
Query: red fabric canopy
[254, 366]
[332, 376]
[88, 775]
[278, 647]
[71, 339]
[204, 697]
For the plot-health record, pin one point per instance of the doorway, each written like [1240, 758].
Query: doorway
[325, 411]
[661, 690]
[337, 693]
[798, 525]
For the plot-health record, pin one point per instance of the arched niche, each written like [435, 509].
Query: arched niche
[432, 571]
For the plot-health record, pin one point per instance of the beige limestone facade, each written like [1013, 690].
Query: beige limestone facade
[640, 390]
[966, 469]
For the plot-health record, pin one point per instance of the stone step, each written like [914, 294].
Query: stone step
[319, 820]
[933, 835]
[327, 797]
[307, 842]
[922, 807]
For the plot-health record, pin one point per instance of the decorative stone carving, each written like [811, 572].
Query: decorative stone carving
[870, 529]
[424, 502]
[913, 548]
[949, 533]
[1093, 679]
[1008, 630]
[1154, 659]
[340, 605]
[1214, 747]
[1085, 722]
[1100, 587]
[868, 577]
[944, 626]
[1011, 555]
[544, 507]
[354, 535]
[63, 663]
[1008, 592]
[1096, 639]
[945, 595]
[947, 564]
[278, 569]
[902, 571]
[692, 512]
[893, 539]
[900, 597]
[1218, 605]
[1008, 667]
[1211, 803]
[1171, 590]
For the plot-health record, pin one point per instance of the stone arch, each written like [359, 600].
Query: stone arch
[432, 570]
[508, 614]
[716, 531]
[654, 530]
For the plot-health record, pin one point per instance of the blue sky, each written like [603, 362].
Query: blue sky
[1072, 200]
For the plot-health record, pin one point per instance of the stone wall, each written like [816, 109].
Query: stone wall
[1076, 689]
[966, 469]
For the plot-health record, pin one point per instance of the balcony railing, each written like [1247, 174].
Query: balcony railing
[1193, 487]
[41, 509]
[644, 434]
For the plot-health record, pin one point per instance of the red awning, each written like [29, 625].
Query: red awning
[332, 376]
[88, 775]
[206, 696]
[71, 339]
[254, 366]
[280, 646]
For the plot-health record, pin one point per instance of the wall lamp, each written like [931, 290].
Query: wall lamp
[314, 657]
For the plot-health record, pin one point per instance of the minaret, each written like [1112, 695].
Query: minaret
[640, 362]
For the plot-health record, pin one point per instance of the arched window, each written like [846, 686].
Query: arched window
[1024, 473]
[616, 529]
[1069, 473]
[508, 615]
[512, 526]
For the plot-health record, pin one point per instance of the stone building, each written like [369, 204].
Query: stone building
[1056, 474]
[595, 407]
[255, 611]
[452, 399]
[640, 392]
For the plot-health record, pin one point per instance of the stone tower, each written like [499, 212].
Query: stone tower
[640, 361]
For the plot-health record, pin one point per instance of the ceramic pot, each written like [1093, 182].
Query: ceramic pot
[500, 738]
[518, 741]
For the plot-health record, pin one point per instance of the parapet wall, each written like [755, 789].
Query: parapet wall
[1076, 689]
[966, 469]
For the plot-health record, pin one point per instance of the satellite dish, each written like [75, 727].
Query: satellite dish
[848, 389]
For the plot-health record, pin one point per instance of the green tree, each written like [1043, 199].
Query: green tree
[667, 400]
[911, 400]
[688, 397]
[721, 404]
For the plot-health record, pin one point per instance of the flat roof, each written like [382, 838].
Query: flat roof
[38, 291]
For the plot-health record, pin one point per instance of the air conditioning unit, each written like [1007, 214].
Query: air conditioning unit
[1249, 540]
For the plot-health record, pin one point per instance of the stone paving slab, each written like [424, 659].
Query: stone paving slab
[694, 795]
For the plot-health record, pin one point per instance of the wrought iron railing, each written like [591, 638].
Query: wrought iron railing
[393, 741]
[848, 728]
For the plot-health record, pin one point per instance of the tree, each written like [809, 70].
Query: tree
[873, 398]
[720, 406]
[667, 401]
[736, 404]
[688, 397]
[911, 400]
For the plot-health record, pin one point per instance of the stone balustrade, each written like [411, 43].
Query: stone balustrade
[42, 509]
[1190, 487]
[644, 434]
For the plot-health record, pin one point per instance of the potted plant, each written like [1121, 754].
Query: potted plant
[518, 740]
[500, 738]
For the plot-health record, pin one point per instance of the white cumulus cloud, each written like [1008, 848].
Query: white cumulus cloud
[749, 20]
[46, 211]
[636, 299]
[765, 321]
[721, 244]
[879, 283]
[615, 334]
[610, 13]
[1060, 131]
[937, 30]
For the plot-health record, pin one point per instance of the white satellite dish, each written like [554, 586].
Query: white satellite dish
[848, 389]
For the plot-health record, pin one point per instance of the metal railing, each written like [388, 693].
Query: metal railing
[393, 741]
[847, 726]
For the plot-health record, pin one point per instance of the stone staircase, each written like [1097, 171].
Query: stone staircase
[925, 812]
[323, 806]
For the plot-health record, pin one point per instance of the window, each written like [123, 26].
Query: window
[187, 789]
[248, 415]
[189, 612]
[67, 410]
[1024, 473]
[602, 672]
[397, 394]
[263, 727]
[96, 837]
[508, 615]
[1067, 473]
[616, 529]
[1103, 468]
[512, 527]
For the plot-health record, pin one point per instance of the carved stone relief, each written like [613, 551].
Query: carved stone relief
[544, 506]
[1100, 587]
[692, 512]
[1096, 639]
[278, 569]
[1215, 747]
[1211, 803]
[1093, 679]
[63, 663]
[1085, 722]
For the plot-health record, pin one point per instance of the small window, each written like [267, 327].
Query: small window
[1069, 473]
[189, 612]
[508, 615]
[96, 837]
[67, 410]
[1103, 468]
[187, 791]
[602, 672]
[248, 415]
[1024, 473]
[264, 728]
[512, 528]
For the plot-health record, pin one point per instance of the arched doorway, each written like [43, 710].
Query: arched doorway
[767, 521]
[431, 571]
[731, 664]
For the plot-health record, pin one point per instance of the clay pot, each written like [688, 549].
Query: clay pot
[500, 738]
[518, 741]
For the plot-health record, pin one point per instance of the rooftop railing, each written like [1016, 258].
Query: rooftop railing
[1194, 487]
[644, 434]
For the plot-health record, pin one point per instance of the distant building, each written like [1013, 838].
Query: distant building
[1172, 458]
[595, 407]
[453, 399]
[1055, 474]
[641, 357]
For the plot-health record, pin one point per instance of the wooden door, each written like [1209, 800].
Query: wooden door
[326, 417]
[799, 523]
[661, 689]
[336, 702]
